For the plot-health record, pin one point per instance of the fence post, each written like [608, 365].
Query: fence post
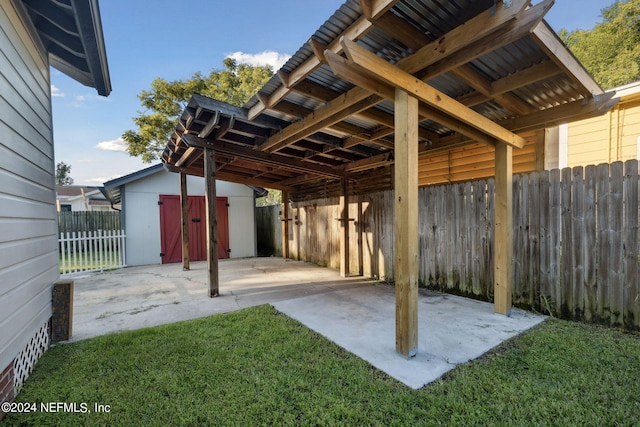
[100, 250]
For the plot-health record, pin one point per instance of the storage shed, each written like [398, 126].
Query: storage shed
[380, 98]
[150, 203]
[35, 35]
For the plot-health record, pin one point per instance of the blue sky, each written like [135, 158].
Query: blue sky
[174, 38]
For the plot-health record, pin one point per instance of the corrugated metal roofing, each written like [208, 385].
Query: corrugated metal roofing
[468, 74]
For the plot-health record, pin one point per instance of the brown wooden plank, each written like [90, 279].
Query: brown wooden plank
[590, 245]
[577, 247]
[345, 269]
[544, 244]
[503, 280]
[555, 296]
[519, 232]
[616, 277]
[406, 223]
[286, 221]
[533, 282]
[631, 292]
[602, 194]
[212, 221]
[566, 259]
[184, 218]
[489, 248]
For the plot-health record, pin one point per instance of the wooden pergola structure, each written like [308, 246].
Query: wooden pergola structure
[382, 85]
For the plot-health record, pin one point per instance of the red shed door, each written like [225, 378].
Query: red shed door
[170, 226]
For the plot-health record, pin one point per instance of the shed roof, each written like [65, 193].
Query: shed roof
[492, 72]
[70, 31]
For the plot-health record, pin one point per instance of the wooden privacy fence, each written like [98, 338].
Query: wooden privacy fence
[80, 221]
[91, 251]
[575, 240]
[268, 225]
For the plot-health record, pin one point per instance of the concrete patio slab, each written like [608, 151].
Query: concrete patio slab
[354, 313]
[452, 330]
[139, 297]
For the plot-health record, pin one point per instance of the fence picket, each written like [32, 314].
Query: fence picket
[616, 276]
[590, 239]
[566, 259]
[631, 291]
[603, 308]
[91, 251]
[577, 243]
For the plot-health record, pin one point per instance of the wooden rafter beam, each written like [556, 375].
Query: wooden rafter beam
[364, 62]
[210, 126]
[576, 110]
[349, 103]
[477, 28]
[483, 85]
[385, 159]
[189, 156]
[426, 65]
[224, 129]
[356, 30]
[287, 162]
[341, 68]
[549, 41]
[374, 9]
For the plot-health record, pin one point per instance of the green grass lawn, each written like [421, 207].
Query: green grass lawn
[259, 367]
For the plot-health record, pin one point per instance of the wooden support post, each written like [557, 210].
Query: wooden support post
[503, 270]
[184, 216]
[344, 229]
[285, 225]
[62, 316]
[406, 222]
[212, 221]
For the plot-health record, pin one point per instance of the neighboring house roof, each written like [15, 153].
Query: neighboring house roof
[71, 193]
[71, 32]
[74, 190]
[628, 92]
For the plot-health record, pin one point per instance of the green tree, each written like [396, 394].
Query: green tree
[164, 103]
[611, 50]
[63, 174]
[273, 198]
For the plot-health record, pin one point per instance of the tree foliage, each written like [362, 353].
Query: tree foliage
[273, 198]
[63, 174]
[164, 103]
[611, 50]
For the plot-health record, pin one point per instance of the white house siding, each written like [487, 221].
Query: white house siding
[28, 244]
[142, 215]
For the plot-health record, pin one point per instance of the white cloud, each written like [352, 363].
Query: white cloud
[78, 101]
[114, 145]
[55, 92]
[268, 57]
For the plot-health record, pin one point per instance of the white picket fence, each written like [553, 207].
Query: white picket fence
[88, 251]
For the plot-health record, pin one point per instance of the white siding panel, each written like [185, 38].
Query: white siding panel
[21, 149]
[16, 229]
[241, 226]
[28, 241]
[17, 186]
[38, 139]
[25, 249]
